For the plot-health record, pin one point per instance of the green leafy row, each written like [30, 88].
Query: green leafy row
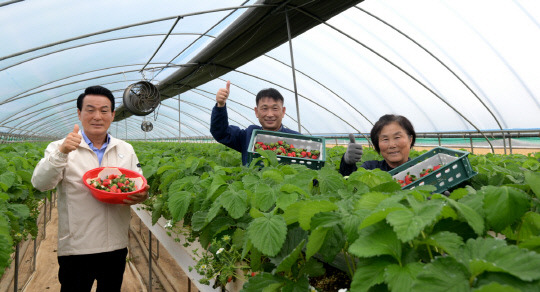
[274, 222]
[19, 201]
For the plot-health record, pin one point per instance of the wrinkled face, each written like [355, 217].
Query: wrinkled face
[270, 113]
[394, 144]
[96, 116]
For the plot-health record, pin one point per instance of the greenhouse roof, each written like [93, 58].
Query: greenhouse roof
[446, 65]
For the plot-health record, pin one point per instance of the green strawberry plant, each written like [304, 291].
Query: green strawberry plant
[286, 223]
[19, 201]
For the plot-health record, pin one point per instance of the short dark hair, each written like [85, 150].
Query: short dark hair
[387, 119]
[271, 93]
[96, 90]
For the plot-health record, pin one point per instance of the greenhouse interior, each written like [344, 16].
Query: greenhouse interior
[162, 133]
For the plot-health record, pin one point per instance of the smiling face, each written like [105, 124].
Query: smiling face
[96, 117]
[395, 144]
[270, 112]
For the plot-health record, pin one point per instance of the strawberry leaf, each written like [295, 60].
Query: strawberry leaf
[447, 241]
[7, 179]
[235, 202]
[315, 241]
[263, 282]
[330, 181]
[401, 279]
[310, 208]
[264, 197]
[290, 259]
[496, 287]
[490, 254]
[272, 176]
[371, 178]
[377, 240]
[533, 180]
[444, 274]
[369, 272]
[530, 225]
[504, 206]
[268, 233]
[179, 201]
[470, 215]
[408, 224]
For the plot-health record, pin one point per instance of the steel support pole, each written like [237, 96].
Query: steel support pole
[149, 260]
[179, 121]
[45, 218]
[293, 72]
[35, 253]
[509, 143]
[16, 278]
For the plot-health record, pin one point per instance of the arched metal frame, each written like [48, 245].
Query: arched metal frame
[22, 95]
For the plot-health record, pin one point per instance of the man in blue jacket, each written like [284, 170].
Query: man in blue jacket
[269, 110]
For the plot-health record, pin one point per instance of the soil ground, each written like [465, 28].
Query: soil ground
[166, 274]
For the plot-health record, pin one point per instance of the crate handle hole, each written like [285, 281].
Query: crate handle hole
[458, 175]
[447, 170]
[454, 166]
[441, 184]
[421, 184]
[438, 175]
[450, 179]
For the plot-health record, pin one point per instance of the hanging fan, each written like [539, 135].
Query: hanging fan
[141, 98]
[147, 126]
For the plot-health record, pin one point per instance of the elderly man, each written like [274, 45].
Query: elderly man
[92, 235]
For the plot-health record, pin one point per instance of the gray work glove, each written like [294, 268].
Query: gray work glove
[354, 151]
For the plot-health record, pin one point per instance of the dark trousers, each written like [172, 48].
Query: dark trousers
[78, 272]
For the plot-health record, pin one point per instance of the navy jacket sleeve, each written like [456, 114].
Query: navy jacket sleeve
[230, 136]
[346, 169]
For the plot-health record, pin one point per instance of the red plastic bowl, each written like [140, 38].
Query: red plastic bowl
[107, 197]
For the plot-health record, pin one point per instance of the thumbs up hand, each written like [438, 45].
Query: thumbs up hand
[72, 141]
[223, 94]
[354, 151]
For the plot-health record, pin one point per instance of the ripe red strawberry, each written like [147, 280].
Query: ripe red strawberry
[229, 279]
[408, 179]
[436, 167]
[280, 142]
[314, 156]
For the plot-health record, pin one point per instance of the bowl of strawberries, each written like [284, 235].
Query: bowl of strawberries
[113, 184]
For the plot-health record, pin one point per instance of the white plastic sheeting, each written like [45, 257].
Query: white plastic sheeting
[446, 65]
